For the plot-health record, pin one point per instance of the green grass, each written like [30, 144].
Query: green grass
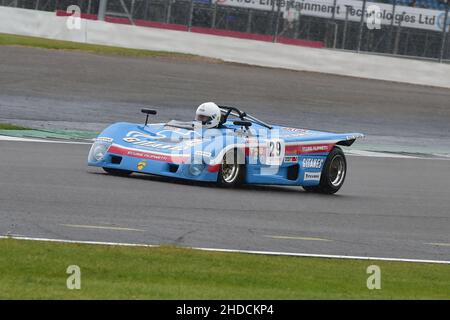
[14, 40]
[7, 126]
[37, 270]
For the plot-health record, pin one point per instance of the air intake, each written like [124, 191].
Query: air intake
[292, 172]
[116, 159]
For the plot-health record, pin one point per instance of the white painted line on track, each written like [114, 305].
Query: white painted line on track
[376, 154]
[380, 154]
[82, 242]
[296, 238]
[352, 152]
[18, 139]
[327, 256]
[101, 227]
[269, 253]
[439, 244]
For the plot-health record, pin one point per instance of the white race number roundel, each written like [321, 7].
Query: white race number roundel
[275, 152]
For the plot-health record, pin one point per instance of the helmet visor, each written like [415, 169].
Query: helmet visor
[204, 119]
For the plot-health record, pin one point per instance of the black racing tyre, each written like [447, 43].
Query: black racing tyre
[333, 173]
[232, 171]
[117, 172]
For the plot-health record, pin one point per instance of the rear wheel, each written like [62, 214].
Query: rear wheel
[232, 171]
[333, 173]
[117, 172]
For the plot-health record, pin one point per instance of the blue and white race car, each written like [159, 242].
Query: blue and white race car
[228, 146]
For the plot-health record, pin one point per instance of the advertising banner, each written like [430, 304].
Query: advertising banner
[408, 17]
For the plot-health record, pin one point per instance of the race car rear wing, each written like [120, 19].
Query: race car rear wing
[148, 112]
[350, 138]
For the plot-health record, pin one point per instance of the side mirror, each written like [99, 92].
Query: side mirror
[242, 123]
[148, 112]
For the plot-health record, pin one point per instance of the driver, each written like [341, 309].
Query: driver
[208, 114]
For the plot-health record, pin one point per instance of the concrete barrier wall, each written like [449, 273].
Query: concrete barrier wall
[48, 25]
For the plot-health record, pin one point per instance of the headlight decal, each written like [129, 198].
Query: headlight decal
[98, 151]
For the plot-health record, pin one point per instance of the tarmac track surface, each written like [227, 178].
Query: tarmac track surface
[387, 208]
[77, 90]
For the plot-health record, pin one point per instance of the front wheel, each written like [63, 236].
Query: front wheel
[232, 171]
[117, 172]
[333, 173]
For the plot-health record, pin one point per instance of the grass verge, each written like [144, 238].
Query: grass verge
[7, 126]
[14, 40]
[37, 270]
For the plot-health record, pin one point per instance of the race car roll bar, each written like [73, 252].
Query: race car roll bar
[258, 121]
[242, 115]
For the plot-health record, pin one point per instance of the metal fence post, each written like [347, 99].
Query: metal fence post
[191, 13]
[361, 24]
[132, 8]
[391, 31]
[146, 10]
[102, 9]
[344, 32]
[249, 21]
[277, 24]
[169, 11]
[272, 14]
[214, 17]
[444, 32]
[227, 15]
[397, 36]
[297, 25]
[335, 29]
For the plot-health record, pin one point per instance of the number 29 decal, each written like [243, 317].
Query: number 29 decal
[275, 152]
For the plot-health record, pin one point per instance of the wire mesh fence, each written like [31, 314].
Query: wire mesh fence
[413, 28]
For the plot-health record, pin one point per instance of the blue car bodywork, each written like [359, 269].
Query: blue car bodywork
[271, 154]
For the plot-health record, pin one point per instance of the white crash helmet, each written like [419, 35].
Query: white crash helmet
[208, 114]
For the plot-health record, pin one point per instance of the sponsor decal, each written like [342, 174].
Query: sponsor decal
[141, 165]
[315, 163]
[290, 159]
[312, 176]
[148, 155]
[104, 139]
[308, 148]
[144, 140]
[316, 148]
[294, 132]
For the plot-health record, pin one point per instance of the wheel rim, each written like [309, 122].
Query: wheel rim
[336, 172]
[229, 172]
